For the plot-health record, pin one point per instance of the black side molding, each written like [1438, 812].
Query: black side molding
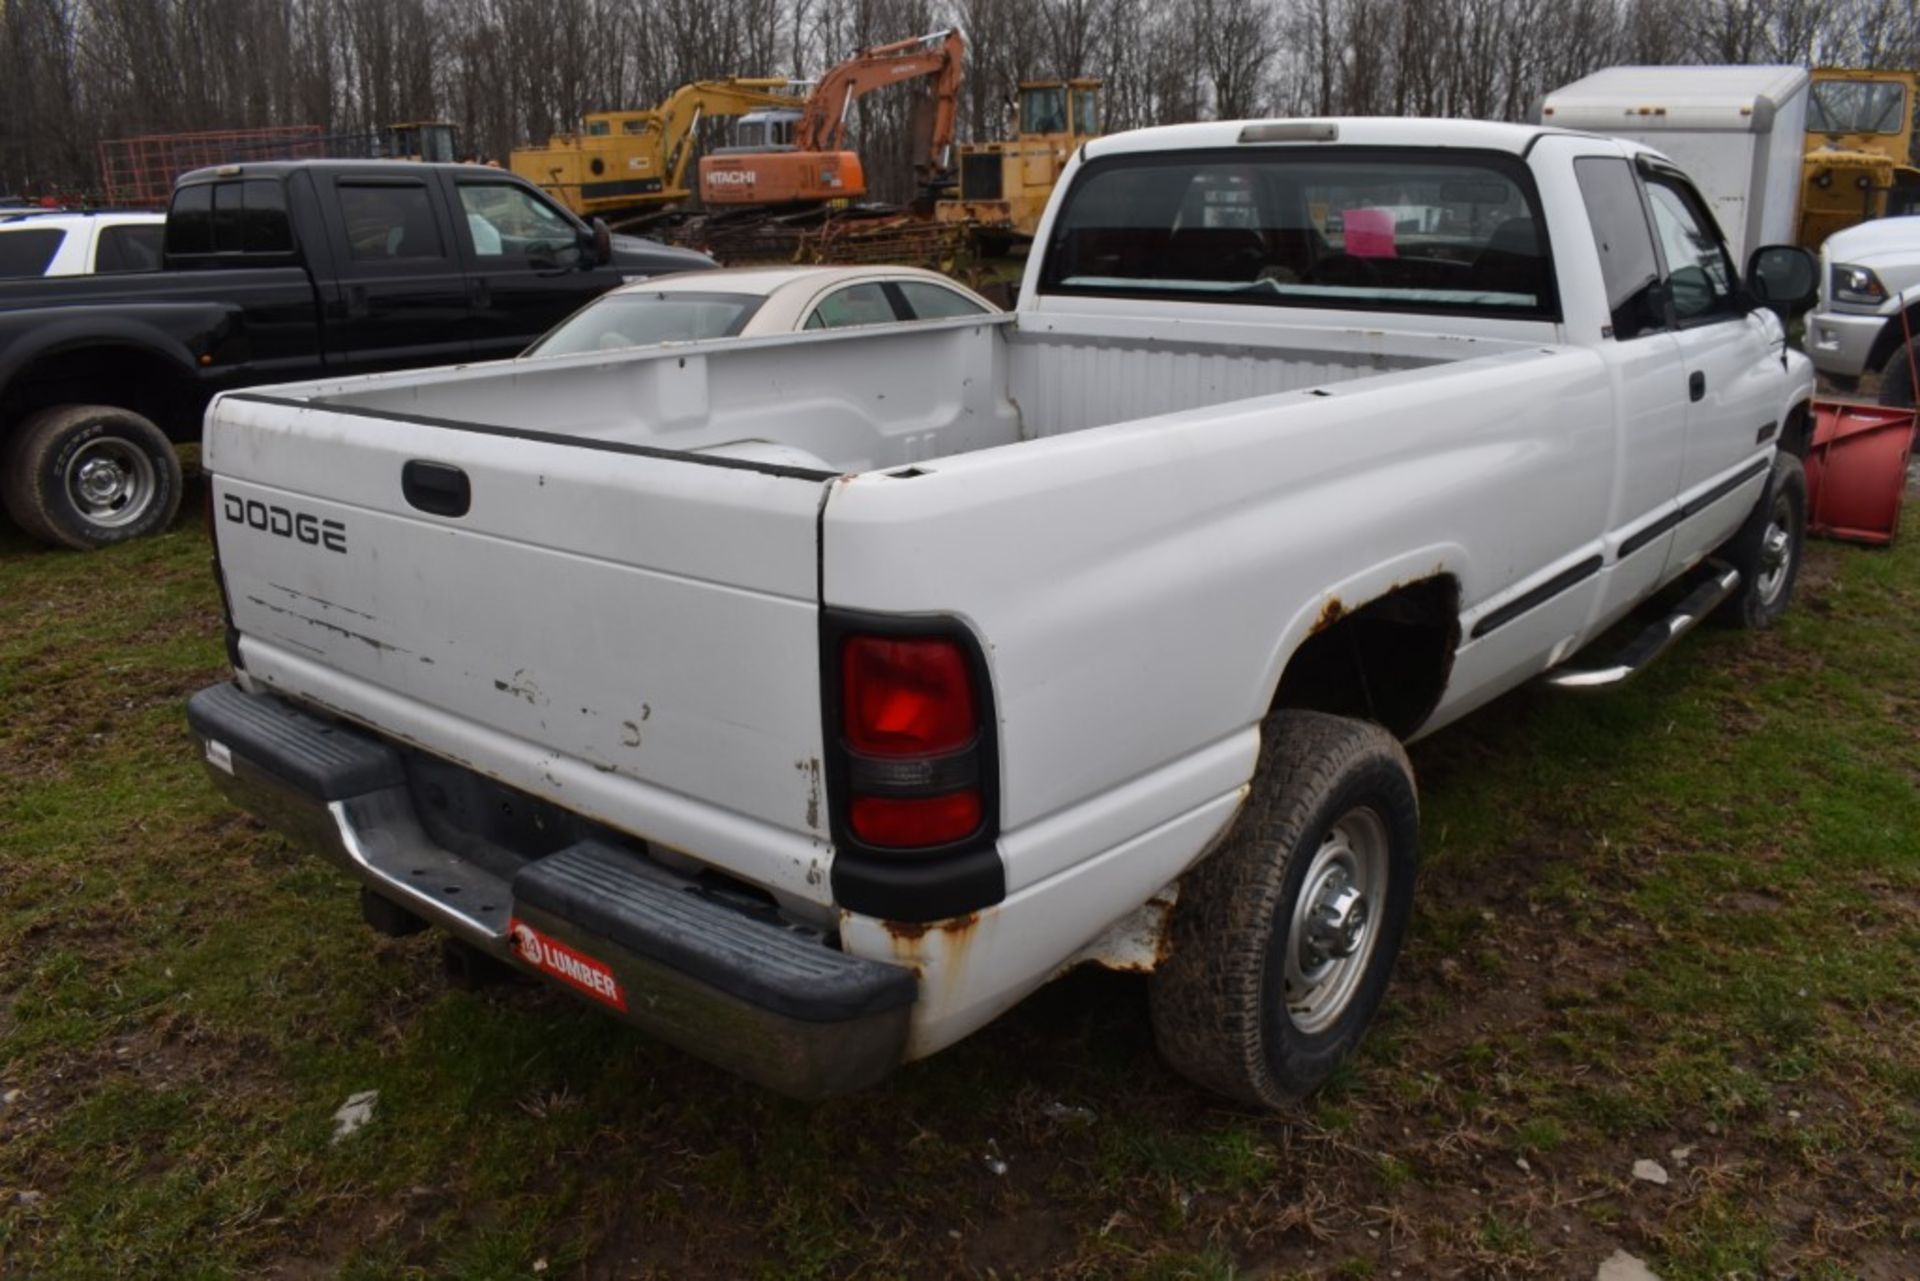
[1660, 525]
[1694, 506]
[1539, 596]
[1640, 538]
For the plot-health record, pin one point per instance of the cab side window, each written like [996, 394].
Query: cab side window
[390, 220]
[1700, 277]
[504, 221]
[1628, 264]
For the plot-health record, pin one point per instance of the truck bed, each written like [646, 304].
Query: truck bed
[855, 401]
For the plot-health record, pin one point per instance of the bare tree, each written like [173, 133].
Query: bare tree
[507, 72]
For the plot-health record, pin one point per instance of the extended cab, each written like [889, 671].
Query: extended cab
[808, 700]
[274, 272]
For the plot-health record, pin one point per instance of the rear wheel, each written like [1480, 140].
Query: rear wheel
[1284, 938]
[1768, 549]
[84, 476]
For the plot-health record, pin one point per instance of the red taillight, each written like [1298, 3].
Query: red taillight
[901, 822]
[905, 696]
[910, 730]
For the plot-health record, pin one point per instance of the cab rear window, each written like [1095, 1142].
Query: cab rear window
[241, 216]
[1355, 229]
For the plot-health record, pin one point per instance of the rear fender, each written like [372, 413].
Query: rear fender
[1347, 595]
[56, 331]
[164, 386]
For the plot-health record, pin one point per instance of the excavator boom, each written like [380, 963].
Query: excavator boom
[686, 106]
[818, 167]
[630, 160]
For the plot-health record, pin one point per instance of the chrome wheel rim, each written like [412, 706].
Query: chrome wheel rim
[1776, 551]
[110, 482]
[1334, 926]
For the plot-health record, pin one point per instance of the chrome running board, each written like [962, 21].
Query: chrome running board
[1639, 653]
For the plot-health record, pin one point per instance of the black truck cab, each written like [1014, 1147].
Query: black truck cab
[274, 272]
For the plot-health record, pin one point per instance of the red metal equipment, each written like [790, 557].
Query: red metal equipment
[1857, 465]
[1857, 470]
[140, 171]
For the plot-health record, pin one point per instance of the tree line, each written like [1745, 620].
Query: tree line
[509, 72]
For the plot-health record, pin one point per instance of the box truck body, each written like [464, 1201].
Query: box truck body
[1739, 132]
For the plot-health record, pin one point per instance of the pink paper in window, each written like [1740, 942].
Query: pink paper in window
[1369, 232]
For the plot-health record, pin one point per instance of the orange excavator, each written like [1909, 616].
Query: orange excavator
[788, 157]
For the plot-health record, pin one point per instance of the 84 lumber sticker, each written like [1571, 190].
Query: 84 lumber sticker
[574, 968]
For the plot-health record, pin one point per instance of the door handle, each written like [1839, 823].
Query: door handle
[481, 296]
[356, 302]
[1697, 385]
[438, 488]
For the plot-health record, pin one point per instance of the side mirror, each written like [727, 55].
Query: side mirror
[1785, 279]
[602, 242]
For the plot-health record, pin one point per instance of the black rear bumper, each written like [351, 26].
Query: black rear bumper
[769, 1001]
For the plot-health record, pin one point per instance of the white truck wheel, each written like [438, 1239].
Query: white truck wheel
[1284, 938]
[1768, 549]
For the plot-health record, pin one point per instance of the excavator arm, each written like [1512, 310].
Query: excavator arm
[941, 55]
[683, 110]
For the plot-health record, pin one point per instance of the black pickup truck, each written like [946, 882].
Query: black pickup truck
[275, 272]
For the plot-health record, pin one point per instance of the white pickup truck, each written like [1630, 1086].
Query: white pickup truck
[1868, 320]
[809, 700]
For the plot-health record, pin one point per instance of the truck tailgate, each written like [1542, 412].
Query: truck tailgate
[651, 616]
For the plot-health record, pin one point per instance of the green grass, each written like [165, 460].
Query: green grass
[1683, 915]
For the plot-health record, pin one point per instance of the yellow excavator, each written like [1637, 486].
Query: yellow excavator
[631, 161]
[1004, 186]
[1859, 162]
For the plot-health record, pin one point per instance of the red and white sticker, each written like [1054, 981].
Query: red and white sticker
[572, 967]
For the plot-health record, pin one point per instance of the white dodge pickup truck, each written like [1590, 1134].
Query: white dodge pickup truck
[810, 700]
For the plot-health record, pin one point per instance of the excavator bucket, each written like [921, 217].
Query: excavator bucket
[1857, 470]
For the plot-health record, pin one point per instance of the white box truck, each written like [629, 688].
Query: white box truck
[1739, 132]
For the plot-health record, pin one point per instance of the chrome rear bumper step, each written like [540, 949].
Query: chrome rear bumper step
[773, 1002]
[1639, 653]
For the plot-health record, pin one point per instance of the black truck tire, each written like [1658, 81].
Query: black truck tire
[85, 476]
[1275, 972]
[1768, 549]
[1896, 380]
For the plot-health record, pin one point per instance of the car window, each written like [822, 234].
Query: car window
[863, 304]
[133, 246]
[504, 220]
[929, 301]
[1628, 264]
[236, 217]
[1361, 228]
[263, 219]
[1699, 277]
[614, 322]
[389, 220]
[26, 251]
